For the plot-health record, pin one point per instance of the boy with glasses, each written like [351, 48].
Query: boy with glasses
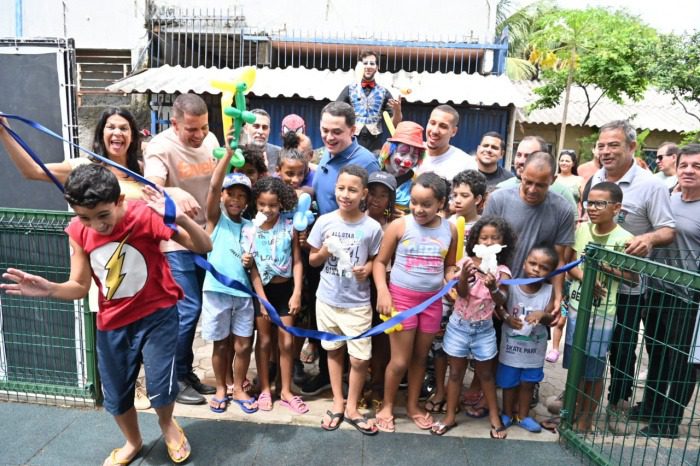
[603, 206]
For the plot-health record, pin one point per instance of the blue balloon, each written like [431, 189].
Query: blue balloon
[302, 214]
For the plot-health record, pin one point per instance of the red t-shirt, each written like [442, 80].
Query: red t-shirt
[132, 274]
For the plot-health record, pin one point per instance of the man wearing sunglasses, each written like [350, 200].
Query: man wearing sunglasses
[370, 100]
[666, 163]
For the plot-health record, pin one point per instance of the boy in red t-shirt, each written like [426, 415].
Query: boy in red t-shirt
[118, 244]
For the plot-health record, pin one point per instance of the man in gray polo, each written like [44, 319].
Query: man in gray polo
[646, 213]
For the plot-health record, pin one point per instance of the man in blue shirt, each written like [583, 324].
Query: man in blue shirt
[341, 148]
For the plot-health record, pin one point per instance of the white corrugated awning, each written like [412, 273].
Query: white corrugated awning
[655, 111]
[473, 89]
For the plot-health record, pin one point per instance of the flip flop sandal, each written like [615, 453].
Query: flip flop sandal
[175, 450]
[385, 424]
[551, 424]
[435, 407]
[441, 429]
[252, 408]
[308, 357]
[423, 421]
[265, 401]
[477, 413]
[296, 405]
[495, 431]
[220, 405]
[330, 427]
[113, 461]
[472, 399]
[365, 430]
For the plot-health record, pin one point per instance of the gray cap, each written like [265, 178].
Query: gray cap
[233, 179]
[384, 178]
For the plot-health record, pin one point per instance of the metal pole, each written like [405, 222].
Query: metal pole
[18, 18]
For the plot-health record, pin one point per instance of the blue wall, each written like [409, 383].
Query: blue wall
[474, 121]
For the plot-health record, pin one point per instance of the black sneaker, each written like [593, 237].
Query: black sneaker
[315, 385]
[197, 384]
[660, 431]
[299, 375]
[535, 396]
[639, 413]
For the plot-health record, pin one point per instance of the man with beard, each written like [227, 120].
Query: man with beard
[370, 100]
[258, 133]
[441, 157]
[181, 157]
[488, 154]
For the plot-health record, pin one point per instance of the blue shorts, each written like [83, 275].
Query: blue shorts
[511, 377]
[465, 338]
[151, 340]
[594, 368]
[224, 314]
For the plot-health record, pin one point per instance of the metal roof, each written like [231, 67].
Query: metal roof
[473, 89]
[655, 111]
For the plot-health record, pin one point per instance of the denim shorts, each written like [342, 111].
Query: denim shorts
[511, 377]
[594, 368]
[470, 338]
[151, 340]
[224, 315]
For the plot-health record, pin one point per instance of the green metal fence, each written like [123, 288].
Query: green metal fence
[47, 349]
[657, 420]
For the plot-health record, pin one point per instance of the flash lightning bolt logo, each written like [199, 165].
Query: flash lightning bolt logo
[114, 270]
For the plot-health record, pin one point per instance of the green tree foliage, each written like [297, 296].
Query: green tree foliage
[521, 26]
[596, 47]
[677, 69]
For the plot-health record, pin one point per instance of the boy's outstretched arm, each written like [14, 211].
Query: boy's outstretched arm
[190, 235]
[214, 195]
[76, 287]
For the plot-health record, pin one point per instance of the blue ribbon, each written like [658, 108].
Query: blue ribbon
[529, 281]
[169, 220]
[169, 215]
[307, 333]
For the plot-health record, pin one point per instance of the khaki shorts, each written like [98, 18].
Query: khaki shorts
[346, 321]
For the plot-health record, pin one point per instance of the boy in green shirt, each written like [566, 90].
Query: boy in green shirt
[603, 206]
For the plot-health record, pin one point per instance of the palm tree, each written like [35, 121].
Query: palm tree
[520, 26]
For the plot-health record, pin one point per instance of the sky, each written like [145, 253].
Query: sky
[664, 15]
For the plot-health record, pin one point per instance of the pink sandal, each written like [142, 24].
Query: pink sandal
[265, 401]
[296, 405]
[552, 356]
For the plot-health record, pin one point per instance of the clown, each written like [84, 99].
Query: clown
[369, 100]
[400, 155]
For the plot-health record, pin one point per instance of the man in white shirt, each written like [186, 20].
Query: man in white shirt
[441, 157]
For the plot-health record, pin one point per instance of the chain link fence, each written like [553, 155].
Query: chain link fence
[47, 349]
[636, 403]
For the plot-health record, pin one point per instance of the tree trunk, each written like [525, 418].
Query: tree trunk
[562, 132]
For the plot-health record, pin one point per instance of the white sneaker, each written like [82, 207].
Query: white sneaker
[141, 400]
